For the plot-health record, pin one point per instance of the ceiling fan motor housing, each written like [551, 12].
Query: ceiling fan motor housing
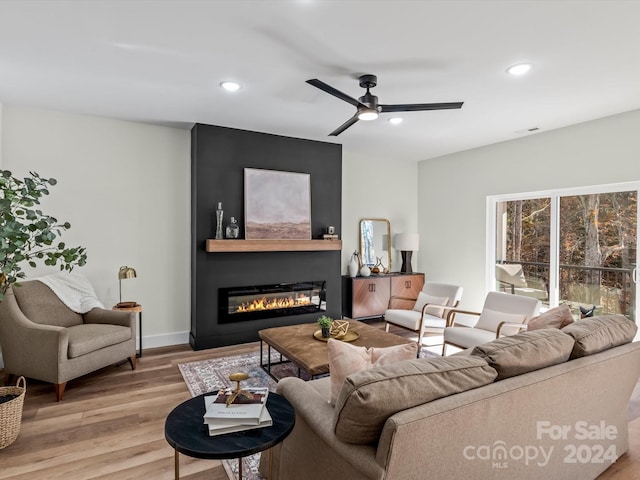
[368, 81]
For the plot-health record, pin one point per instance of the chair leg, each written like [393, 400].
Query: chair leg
[132, 361]
[444, 349]
[386, 326]
[60, 390]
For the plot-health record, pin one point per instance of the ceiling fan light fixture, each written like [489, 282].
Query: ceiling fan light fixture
[519, 69]
[395, 120]
[367, 114]
[230, 86]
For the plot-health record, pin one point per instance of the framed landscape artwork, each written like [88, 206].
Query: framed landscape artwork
[277, 205]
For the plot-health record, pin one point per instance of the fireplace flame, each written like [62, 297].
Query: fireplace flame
[273, 303]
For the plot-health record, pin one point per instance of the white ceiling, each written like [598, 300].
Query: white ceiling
[162, 61]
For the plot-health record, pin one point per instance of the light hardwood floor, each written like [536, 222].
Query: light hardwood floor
[110, 425]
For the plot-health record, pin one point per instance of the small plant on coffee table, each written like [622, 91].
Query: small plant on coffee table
[325, 325]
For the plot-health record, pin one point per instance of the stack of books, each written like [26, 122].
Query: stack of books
[242, 414]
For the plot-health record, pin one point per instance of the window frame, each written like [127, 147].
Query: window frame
[554, 195]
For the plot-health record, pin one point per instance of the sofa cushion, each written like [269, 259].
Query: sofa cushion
[411, 319]
[88, 338]
[593, 335]
[345, 359]
[369, 397]
[525, 352]
[558, 317]
[424, 298]
[490, 320]
[40, 305]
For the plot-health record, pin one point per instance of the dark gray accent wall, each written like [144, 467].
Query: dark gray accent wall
[218, 158]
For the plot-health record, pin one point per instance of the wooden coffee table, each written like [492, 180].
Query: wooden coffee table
[297, 344]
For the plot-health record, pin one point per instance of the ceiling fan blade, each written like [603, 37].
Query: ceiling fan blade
[336, 93]
[416, 107]
[344, 126]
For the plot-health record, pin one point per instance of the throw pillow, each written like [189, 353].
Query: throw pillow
[593, 335]
[345, 359]
[490, 319]
[558, 317]
[525, 352]
[369, 397]
[423, 299]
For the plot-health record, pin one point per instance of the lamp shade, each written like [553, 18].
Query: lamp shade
[126, 272]
[407, 242]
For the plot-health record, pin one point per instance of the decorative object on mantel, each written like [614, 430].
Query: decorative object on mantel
[365, 271]
[407, 243]
[233, 230]
[277, 205]
[219, 215]
[353, 266]
[124, 273]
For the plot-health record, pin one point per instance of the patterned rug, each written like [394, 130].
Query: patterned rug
[209, 375]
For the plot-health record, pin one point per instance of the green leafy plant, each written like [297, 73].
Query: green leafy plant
[26, 233]
[325, 321]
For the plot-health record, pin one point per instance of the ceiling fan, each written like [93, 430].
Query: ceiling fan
[367, 105]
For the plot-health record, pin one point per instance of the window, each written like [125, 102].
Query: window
[575, 247]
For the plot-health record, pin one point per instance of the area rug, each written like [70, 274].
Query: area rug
[210, 375]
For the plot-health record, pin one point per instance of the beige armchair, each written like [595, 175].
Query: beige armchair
[428, 314]
[42, 338]
[502, 314]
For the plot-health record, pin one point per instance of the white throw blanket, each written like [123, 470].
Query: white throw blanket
[73, 289]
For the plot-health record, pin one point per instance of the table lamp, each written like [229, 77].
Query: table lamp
[124, 273]
[407, 243]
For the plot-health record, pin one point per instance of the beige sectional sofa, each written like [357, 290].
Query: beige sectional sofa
[556, 409]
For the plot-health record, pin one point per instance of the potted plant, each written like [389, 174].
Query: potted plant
[26, 233]
[325, 325]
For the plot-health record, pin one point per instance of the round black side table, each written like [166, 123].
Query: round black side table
[186, 432]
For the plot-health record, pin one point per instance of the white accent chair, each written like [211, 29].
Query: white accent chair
[502, 314]
[428, 313]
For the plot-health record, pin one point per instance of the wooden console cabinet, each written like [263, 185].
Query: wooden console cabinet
[368, 297]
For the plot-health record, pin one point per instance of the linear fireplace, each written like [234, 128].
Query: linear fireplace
[237, 304]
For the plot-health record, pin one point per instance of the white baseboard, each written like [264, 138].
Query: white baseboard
[164, 340]
[152, 341]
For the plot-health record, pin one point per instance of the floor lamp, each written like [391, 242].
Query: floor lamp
[407, 243]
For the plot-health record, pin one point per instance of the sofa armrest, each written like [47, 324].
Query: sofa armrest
[28, 344]
[501, 325]
[316, 412]
[112, 317]
[451, 316]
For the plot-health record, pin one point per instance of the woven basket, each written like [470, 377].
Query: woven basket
[11, 413]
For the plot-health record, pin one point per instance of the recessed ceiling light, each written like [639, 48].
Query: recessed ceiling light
[395, 120]
[519, 69]
[230, 86]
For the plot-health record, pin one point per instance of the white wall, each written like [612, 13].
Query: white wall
[453, 189]
[377, 188]
[124, 187]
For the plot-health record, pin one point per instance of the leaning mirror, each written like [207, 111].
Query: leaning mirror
[375, 247]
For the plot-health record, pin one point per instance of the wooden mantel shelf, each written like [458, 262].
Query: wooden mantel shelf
[272, 245]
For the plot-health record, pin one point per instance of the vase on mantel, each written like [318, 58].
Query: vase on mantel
[219, 215]
[353, 266]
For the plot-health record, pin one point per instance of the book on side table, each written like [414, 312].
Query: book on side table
[242, 414]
